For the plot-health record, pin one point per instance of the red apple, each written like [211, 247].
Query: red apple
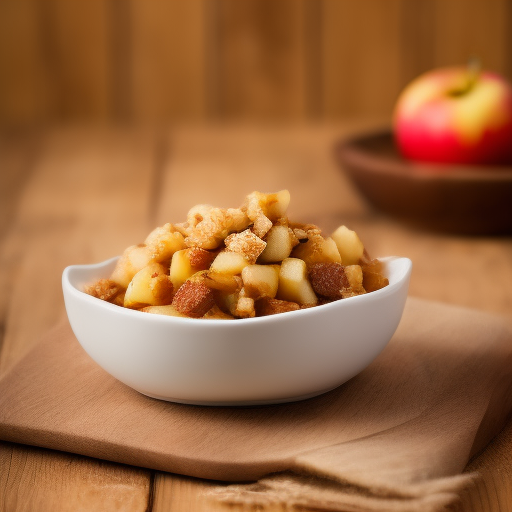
[456, 115]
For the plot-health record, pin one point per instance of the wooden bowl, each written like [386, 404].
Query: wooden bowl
[473, 200]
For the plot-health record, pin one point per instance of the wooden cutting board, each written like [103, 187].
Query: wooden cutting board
[58, 398]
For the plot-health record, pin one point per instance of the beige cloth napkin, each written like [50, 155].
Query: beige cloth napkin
[447, 378]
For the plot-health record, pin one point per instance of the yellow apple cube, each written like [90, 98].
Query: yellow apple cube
[294, 285]
[279, 245]
[134, 258]
[354, 274]
[222, 282]
[168, 310]
[275, 205]
[229, 263]
[245, 306]
[180, 269]
[349, 245]
[261, 280]
[149, 287]
[318, 250]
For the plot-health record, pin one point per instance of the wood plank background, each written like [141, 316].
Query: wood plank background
[200, 60]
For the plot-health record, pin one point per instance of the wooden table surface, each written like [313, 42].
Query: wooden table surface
[81, 195]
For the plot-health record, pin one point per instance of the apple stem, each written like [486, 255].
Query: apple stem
[474, 67]
[473, 72]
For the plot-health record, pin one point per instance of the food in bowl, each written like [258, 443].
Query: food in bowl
[238, 263]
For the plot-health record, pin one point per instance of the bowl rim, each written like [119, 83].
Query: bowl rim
[349, 151]
[167, 319]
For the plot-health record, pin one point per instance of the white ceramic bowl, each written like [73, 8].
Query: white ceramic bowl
[271, 359]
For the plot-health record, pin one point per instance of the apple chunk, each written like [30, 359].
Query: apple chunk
[168, 310]
[349, 245]
[149, 287]
[228, 262]
[181, 268]
[134, 258]
[264, 209]
[261, 280]
[279, 245]
[354, 274]
[317, 250]
[373, 277]
[293, 282]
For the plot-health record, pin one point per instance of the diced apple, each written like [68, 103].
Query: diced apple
[226, 301]
[293, 282]
[373, 278]
[273, 206]
[277, 204]
[349, 245]
[354, 274]
[245, 306]
[168, 310]
[134, 258]
[279, 245]
[237, 219]
[228, 263]
[261, 280]
[317, 250]
[226, 283]
[263, 209]
[180, 269]
[186, 262]
[149, 287]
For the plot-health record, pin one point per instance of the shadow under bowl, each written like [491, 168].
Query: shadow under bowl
[457, 199]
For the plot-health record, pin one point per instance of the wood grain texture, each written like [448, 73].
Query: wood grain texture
[361, 55]
[17, 158]
[83, 197]
[47, 481]
[260, 59]
[167, 61]
[493, 491]
[86, 197]
[472, 29]
[24, 86]
[74, 39]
